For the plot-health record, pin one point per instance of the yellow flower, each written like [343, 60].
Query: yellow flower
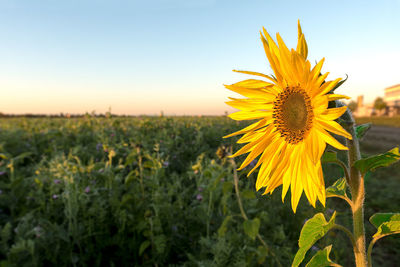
[293, 121]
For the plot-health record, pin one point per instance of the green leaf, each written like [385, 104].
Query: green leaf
[321, 258]
[249, 194]
[224, 226]
[132, 157]
[381, 160]
[143, 247]
[328, 156]
[379, 218]
[337, 189]
[313, 230]
[130, 177]
[251, 227]
[362, 129]
[386, 223]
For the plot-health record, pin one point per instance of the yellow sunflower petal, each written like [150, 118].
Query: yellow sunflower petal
[332, 113]
[317, 69]
[320, 104]
[249, 128]
[302, 47]
[332, 97]
[315, 146]
[250, 115]
[328, 138]
[292, 133]
[271, 156]
[252, 104]
[334, 127]
[328, 86]
[252, 136]
[258, 149]
[296, 185]
[256, 74]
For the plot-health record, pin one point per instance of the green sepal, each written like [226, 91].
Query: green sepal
[362, 129]
[313, 230]
[321, 258]
[337, 189]
[251, 227]
[340, 83]
[386, 223]
[381, 160]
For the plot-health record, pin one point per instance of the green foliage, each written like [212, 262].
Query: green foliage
[145, 191]
[337, 189]
[362, 129]
[251, 227]
[131, 191]
[321, 258]
[379, 103]
[381, 160]
[313, 230]
[386, 223]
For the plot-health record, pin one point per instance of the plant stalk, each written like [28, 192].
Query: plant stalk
[356, 183]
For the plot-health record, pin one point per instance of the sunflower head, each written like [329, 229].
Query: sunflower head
[294, 123]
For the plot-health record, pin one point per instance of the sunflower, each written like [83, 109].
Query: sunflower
[293, 124]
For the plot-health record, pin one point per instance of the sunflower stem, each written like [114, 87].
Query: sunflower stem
[356, 183]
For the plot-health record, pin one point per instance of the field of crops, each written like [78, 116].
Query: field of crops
[155, 191]
[381, 120]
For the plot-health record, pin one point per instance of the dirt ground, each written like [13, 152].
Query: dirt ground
[380, 139]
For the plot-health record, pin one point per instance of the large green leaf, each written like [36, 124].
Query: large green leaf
[321, 258]
[313, 230]
[386, 223]
[381, 160]
[362, 129]
[251, 227]
[337, 189]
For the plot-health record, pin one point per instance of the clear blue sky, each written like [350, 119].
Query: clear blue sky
[143, 57]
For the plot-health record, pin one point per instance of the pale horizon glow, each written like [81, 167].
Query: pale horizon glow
[143, 58]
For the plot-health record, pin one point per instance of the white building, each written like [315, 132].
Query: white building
[363, 110]
[392, 99]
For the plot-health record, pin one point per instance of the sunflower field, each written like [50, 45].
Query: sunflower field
[157, 191]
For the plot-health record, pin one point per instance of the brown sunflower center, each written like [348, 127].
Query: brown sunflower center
[293, 114]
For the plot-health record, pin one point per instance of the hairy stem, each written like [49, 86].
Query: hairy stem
[356, 183]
